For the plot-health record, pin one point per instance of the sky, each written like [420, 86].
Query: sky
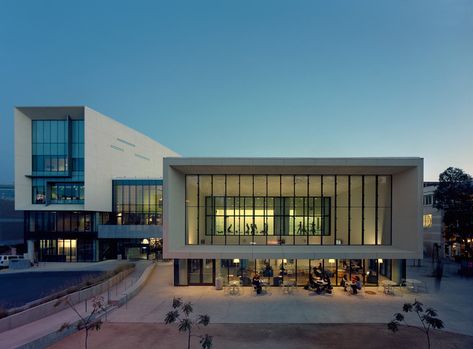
[252, 78]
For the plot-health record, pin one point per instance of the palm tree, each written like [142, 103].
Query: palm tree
[186, 323]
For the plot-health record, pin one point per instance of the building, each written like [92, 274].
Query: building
[11, 222]
[80, 177]
[282, 217]
[432, 222]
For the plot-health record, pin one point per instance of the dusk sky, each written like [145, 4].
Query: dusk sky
[252, 78]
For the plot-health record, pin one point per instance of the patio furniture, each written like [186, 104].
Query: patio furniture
[288, 287]
[415, 285]
[388, 287]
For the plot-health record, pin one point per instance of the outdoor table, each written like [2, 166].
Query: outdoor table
[388, 287]
[288, 287]
[234, 287]
[414, 284]
[264, 286]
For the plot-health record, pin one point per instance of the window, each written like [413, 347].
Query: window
[137, 202]
[51, 158]
[428, 199]
[427, 221]
[288, 209]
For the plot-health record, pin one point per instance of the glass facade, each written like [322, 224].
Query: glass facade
[276, 271]
[60, 222]
[57, 161]
[288, 209]
[137, 202]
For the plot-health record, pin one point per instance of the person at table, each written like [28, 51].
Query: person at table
[317, 271]
[344, 282]
[328, 284]
[312, 283]
[257, 283]
[356, 285]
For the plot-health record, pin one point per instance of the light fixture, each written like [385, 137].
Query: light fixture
[236, 261]
[380, 260]
[331, 260]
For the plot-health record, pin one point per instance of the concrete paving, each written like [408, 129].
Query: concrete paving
[25, 334]
[262, 336]
[452, 300]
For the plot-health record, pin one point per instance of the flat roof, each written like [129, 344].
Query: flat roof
[279, 165]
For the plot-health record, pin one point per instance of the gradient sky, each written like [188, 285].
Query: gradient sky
[252, 78]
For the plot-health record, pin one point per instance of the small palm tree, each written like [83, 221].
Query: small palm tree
[186, 323]
[428, 318]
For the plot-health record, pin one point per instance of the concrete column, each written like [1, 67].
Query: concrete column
[398, 271]
[30, 248]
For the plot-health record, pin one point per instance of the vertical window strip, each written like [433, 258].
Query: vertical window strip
[322, 210]
[363, 210]
[349, 210]
[335, 215]
[376, 212]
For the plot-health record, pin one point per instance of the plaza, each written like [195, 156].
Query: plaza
[280, 320]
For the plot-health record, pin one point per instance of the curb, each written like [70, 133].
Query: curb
[53, 337]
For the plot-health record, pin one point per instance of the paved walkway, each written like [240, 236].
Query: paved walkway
[262, 336]
[37, 329]
[453, 302]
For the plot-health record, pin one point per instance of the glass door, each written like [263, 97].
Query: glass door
[201, 271]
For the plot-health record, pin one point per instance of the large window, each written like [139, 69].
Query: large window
[58, 152]
[302, 216]
[137, 202]
[288, 209]
[60, 222]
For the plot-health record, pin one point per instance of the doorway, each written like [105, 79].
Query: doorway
[200, 272]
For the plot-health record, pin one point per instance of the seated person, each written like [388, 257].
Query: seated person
[356, 285]
[268, 271]
[328, 284]
[312, 283]
[257, 283]
[344, 282]
[317, 271]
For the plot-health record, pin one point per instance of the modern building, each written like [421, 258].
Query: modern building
[281, 217]
[11, 222]
[432, 222]
[90, 186]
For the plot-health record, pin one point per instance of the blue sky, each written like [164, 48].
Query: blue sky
[252, 78]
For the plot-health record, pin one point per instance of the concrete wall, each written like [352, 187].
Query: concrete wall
[45, 309]
[406, 206]
[113, 150]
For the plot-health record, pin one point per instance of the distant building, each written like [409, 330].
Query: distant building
[11, 221]
[432, 221]
[90, 186]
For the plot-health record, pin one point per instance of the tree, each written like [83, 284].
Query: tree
[87, 323]
[427, 317]
[181, 314]
[454, 195]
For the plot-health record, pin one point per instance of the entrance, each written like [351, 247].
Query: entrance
[201, 271]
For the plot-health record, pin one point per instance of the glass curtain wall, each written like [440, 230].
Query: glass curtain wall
[137, 202]
[291, 210]
[275, 271]
[58, 161]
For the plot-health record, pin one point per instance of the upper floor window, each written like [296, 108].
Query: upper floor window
[428, 199]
